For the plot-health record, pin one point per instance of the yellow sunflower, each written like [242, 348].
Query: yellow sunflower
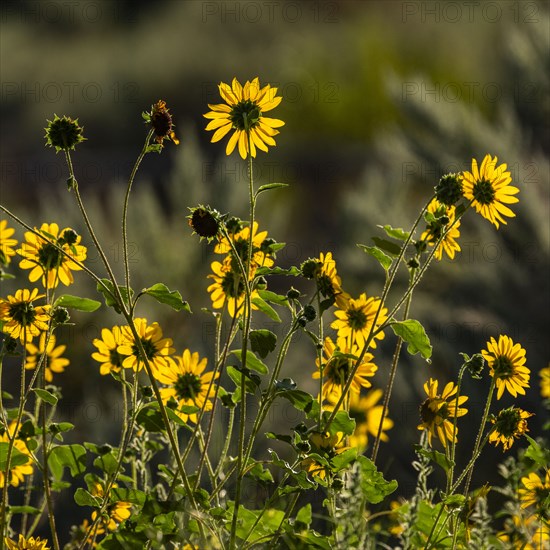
[535, 491]
[19, 471]
[42, 257]
[489, 189]
[228, 290]
[240, 242]
[438, 412]
[243, 112]
[506, 362]
[525, 533]
[545, 382]
[338, 362]
[326, 446]
[510, 423]
[435, 230]
[21, 318]
[355, 319]
[107, 350]
[117, 511]
[329, 283]
[157, 349]
[7, 244]
[54, 361]
[29, 543]
[187, 383]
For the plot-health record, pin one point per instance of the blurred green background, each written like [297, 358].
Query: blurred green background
[379, 98]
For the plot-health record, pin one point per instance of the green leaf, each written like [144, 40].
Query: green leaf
[24, 510]
[108, 291]
[268, 186]
[107, 463]
[154, 148]
[264, 307]
[262, 341]
[341, 423]
[76, 302]
[46, 396]
[249, 383]
[343, 460]
[293, 271]
[120, 494]
[302, 401]
[161, 293]
[540, 456]
[387, 246]
[395, 232]
[150, 419]
[67, 456]
[384, 260]
[252, 362]
[373, 485]
[304, 515]
[257, 471]
[17, 457]
[84, 498]
[439, 458]
[414, 334]
[273, 297]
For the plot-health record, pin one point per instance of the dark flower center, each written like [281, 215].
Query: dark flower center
[503, 367]
[23, 313]
[115, 358]
[357, 318]
[162, 123]
[324, 284]
[49, 257]
[232, 285]
[188, 386]
[148, 346]
[509, 423]
[337, 370]
[484, 192]
[427, 413]
[245, 115]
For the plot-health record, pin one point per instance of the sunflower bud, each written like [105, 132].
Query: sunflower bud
[310, 268]
[474, 364]
[60, 316]
[63, 133]
[449, 189]
[160, 119]
[293, 294]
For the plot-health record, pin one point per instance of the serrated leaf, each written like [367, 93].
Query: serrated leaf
[84, 498]
[439, 458]
[264, 307]
[268, 186]
[107, 289]
[395, 232]
[46, 396]
[373, 485]
[383, 259]
[161, 293]
[412, 332]
[387, 246]
[78, 303]
[252, 362]
[342, 422]
[262, 342]
[67, 456]
[17, 457]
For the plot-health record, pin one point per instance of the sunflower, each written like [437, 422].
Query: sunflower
[117, 511]
[7, 244]
[18, 472]
[329, 284]
[545, 382]
[29, 543]
[155, 346]
[244, 112]
[107, 350]
[54, 361]
[367, 415]
[187, 383]
[506, 361]
[536, 492]
[21, 318]
[489, 190]
[42, 256]
[355, 319]
[161, 121]
[326, 446]
[509, 424]
[437, 228]
[240, 241]
[527, 533]
[438, 412]
[338, 363]
[228, 288]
